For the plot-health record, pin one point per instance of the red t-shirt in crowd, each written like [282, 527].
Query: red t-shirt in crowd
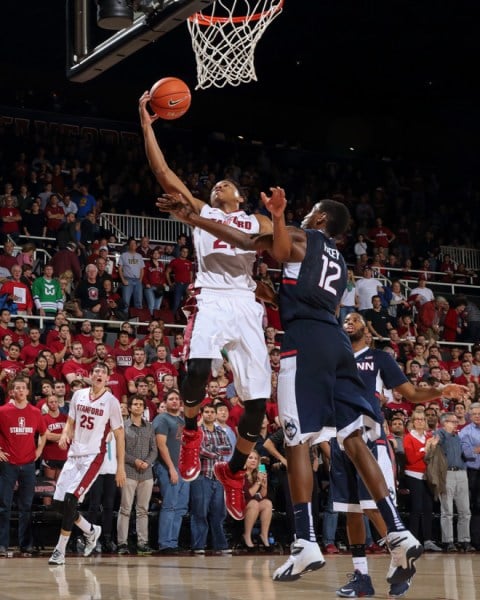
[18, 427]
[159, 369]
[29, 353]
[52, 450]
[117, 384]
[133, 373]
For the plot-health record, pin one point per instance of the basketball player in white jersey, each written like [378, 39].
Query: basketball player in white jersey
[226, 316]
[94, 413]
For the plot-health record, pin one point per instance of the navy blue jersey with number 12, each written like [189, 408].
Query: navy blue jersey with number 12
[313, 288]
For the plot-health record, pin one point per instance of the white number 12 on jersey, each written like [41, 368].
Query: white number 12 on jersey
[326, 280]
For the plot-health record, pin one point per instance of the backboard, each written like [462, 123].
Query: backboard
[92, 50]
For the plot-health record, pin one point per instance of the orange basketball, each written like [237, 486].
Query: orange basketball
[170, 98]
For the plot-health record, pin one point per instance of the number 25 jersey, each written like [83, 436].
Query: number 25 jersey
[313, 288]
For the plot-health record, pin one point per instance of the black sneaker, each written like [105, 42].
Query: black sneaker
[123, 549]
[144, 550]
[358, 586]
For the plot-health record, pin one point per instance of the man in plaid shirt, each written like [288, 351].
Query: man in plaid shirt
[207, 503]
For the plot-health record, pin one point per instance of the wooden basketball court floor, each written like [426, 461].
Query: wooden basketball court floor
[439, 577]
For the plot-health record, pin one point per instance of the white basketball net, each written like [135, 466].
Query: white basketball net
[224, 40]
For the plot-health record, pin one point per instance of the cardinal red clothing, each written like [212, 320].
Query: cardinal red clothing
[20, 294]
[83, 339]
[123, 358]
[58, 346]
[90, 349]
[182, 269]
[133, 373]
[52, 450]
[52, 336]
[22, 339]
[154, 274]
[159, 369]
[117, 384]
[463, 379]
[414, 447]
[405, 406]
[451, 322]
[11, 368]
[380, 236]
[72, 366]
[29, 353]
[10, 226]
[51, 213]
[18, 427]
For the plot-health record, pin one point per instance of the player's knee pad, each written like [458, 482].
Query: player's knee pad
[193, 387]
[70, 512]
[251, 421]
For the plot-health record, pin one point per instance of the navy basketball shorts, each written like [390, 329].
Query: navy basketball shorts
[348, 492]
[319, 386]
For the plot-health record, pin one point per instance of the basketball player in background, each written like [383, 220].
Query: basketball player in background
[227, 317]
[378, 371]
[94, 413]
[318, 384]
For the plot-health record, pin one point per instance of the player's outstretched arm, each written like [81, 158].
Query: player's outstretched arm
[167, 178]
[419, 395]
[285, 246]
[177, 205]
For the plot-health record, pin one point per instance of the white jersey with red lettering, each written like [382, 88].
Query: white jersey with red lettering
[219, 265]
[94, 419]
[226, 315]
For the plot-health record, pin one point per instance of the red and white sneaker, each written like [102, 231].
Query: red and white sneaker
[189, 459]
[233, 489]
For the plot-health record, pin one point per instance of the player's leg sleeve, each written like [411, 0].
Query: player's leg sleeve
[251, 421]
[70, 512]
[193, 387]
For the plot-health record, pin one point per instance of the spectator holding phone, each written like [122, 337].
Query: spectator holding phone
[258, 504]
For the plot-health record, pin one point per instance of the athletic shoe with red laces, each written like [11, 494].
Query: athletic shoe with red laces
[233, 489]
[331, 549]
[189, 459]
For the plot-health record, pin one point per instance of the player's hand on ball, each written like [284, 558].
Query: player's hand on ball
[145, 116]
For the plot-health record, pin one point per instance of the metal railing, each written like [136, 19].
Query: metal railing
[163, 231]
[470, 257]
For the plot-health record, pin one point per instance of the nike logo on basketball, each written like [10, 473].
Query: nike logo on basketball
[175, 102]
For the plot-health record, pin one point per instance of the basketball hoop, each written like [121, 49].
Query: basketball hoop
[224, 40]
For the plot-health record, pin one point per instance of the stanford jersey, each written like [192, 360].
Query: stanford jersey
[219, 266]
[93, 421]
[313, 288]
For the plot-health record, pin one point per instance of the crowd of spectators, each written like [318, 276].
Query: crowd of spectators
[53, 192]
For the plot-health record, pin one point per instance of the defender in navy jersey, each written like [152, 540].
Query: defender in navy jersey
[378, 371]
[318, 383]
[226, 316]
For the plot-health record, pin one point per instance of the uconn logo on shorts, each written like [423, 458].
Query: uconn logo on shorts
[290, 429]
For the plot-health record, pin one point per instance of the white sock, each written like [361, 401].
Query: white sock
[84, 525]
[360, 564]
[62, 543]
